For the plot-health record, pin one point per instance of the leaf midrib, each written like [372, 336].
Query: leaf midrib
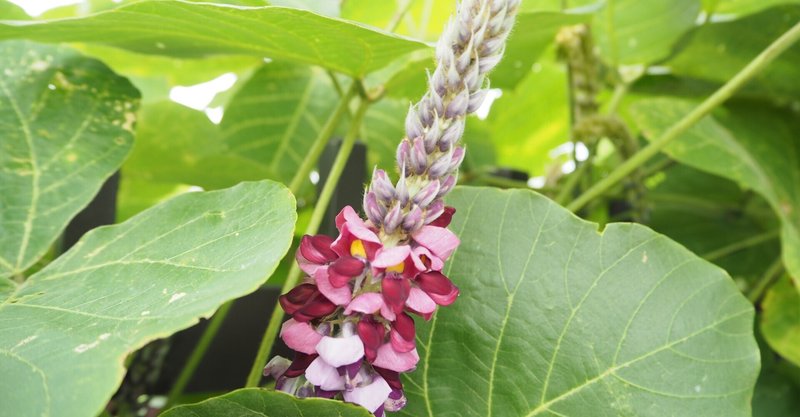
[35, 176]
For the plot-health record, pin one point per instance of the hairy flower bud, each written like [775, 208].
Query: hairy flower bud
[424, 196]
[382, 186]
[418, 158]
[447, 184]
[393, 219]
[413, 220]
[374, 209]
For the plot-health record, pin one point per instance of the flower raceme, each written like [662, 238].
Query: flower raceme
[352, 323]
[351, 319]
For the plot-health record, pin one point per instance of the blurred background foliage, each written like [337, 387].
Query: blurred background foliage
[566, 107]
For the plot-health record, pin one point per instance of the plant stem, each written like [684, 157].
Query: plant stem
[398, 17]
[321, 207]
[297, 181]
[735, 247]
[322, 139]
[573, 180]
[616, 99]
[198, 353]
[773, 273]
[720, 96]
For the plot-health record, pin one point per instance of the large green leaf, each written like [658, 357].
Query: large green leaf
[642, 32]
[67, 330]
[716, 52]
[780, 323]
[67, 124]
[187, 29]
[752, 144]
[277, 115]
[556, 319]
[255, 402]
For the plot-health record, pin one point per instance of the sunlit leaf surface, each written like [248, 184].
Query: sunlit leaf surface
[67, 124]
[66, 331]
[556, 319]
[187, 29]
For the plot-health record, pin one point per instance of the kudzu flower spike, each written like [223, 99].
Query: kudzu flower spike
[351, 322]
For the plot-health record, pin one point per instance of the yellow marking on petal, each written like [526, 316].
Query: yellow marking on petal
[357, 248]
[396, 268]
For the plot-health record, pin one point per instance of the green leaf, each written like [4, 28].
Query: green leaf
[383, 127]
[716, 52]
[529, 121]
[556, 319]
[706, 213]
[175, 144]
[67, 330]
[642, 32]
[274, 118]
[67, 125]
[423, 20]
[741, 7]
[733, 143]
[780, 323]
[10, 10]
[532, 35]
[162, 28]
[253, 402]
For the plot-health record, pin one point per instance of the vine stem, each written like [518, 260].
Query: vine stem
[321, 207]
[294, 186]
[322, 139]
[720, 96]
[737, 246]
[773, 273]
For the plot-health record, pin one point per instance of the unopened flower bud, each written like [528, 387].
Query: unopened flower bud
[382, 186]
[393, 219]
[434, 211]
[440, 167]
[476, 99]
[403, 150]
[458, 106]
[452, 134]
[489, 62]
[418, 158]
[413, 125]
[447, 185]
[424, 196]
[374, 209]
[431, 137]
[457, 159]
[401, 188]
[413, 219]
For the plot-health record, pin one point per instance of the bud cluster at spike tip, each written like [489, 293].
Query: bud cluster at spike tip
[429, 156]
[352, 326]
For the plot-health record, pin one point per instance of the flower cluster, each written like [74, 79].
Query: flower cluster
[351, 325]
[351, 322]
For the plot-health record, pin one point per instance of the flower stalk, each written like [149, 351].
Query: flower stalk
[352, 324]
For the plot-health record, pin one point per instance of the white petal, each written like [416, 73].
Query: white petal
[325, 376]
[340, 351]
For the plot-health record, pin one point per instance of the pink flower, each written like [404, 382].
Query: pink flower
[300, 336]
[315, 251]
[438, 287]
[390, 359]
[355, 237]
[305, 303]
